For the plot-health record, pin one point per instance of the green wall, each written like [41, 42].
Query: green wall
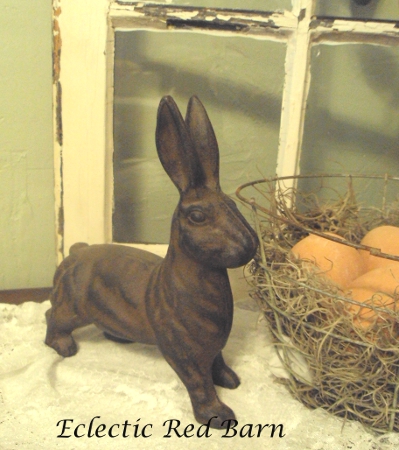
[27, 224]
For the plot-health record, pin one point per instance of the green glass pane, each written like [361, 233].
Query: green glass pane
[360, 9]
[240, 82]
[260, 5]
[352, 120]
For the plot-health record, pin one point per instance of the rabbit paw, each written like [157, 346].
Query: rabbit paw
[64, 345]
[225, 377]
[218, 416]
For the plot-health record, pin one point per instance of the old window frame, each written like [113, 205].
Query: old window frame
[84, 34]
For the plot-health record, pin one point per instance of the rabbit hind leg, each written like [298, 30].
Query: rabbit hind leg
[61, 321]
[222, 374]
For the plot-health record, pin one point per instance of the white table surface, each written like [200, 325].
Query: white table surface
[119, 383]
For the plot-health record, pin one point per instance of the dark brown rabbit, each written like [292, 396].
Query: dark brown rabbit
[182, 303]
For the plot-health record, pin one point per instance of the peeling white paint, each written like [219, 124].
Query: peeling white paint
[123, 12]
[184, 15]
[222, 17]
[298, 5]
[83, 27]
[363, 27]
[284, 19]
[295, 92]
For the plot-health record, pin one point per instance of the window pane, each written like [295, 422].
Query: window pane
[260, 5]
[240, 82]
[361, 9]
[352, 120]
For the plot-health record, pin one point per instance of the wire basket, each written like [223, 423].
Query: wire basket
[351, 371]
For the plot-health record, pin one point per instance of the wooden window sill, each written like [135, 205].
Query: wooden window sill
[18, 296]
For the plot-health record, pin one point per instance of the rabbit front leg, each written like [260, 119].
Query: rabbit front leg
[206, 404]
[196, 375]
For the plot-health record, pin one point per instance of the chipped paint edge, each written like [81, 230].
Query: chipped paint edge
[58, 132]
[163, 17]
[297, 78]
[109, 133]
[79, 110]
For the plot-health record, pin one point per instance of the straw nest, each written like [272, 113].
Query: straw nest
[352, 372]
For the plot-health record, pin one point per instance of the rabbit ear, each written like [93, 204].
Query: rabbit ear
[175, 149]
[204, 140]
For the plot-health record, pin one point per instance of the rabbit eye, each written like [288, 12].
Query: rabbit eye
[197, 216]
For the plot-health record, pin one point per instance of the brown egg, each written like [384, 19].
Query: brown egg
[339, 262]
[384, 238]
[364, 316]
[382, 279]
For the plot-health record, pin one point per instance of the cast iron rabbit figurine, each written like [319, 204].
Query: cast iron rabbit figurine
[182, 303]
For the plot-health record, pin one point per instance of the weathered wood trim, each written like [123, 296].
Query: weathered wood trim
[109, 133]
[18, 296]
[164, 11]
[329, 21]
[163, 17]
[297, 75]
[80, 99]
[377, 32]
[58, 132]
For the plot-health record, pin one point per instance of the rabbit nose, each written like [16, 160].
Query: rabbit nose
[253, 242]
[250, 239]
[250, 244]
[245, 247]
